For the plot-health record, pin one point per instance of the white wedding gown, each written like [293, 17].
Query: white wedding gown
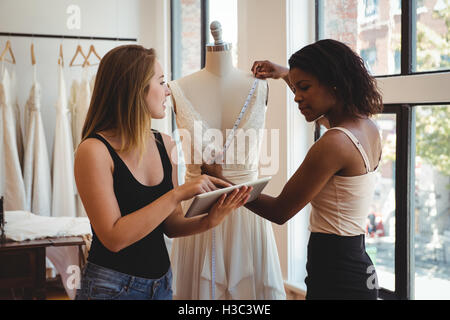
[63, 200]
[36, 172]
[246, 257]
[15, 104]
[79, 105]
[12, 185]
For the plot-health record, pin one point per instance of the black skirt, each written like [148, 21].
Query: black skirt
[338, 267]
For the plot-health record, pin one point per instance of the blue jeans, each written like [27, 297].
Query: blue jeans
[100, 283]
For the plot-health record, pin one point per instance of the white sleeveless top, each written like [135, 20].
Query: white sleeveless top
[343, 204]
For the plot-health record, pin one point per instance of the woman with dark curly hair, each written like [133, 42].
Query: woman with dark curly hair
[337, 177]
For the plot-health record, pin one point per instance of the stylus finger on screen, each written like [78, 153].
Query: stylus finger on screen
[219, 183]
[211, 186]
[208, 185]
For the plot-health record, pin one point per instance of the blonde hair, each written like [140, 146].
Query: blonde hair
[118, 99]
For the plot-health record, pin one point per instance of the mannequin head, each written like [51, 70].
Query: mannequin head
[328, 77]
[218, 54]
[120, 101]
[219, 44]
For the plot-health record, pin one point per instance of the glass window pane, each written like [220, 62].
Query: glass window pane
[432, 203]
[226, 13]
[372, 28]
[433, 35]
[187, 37]
[380, 230]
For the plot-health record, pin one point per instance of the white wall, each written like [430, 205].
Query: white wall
[301, 32]
[273, 30]
[262, 36]
[141, 19]
[154, 32]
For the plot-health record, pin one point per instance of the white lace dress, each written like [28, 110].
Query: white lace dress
[63, 200]
[15, 103]
[11, 179]
[246, 257]
[79, 106]
[36, 172]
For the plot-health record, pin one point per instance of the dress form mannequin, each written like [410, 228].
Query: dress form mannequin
[209, 89]
[239, 258]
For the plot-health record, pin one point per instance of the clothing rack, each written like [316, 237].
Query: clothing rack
[36, 35]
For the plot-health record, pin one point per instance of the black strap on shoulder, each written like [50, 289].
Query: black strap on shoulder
[111, 150]
[163, 154]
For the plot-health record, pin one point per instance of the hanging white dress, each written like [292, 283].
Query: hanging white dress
[11, 179]
[36, 163]
[79, 112]
[92, 83]
[246, 257]
[82, 101]
[63, 198]
[72, 106]
[15, 103]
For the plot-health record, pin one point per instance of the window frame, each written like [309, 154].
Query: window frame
[174, 30]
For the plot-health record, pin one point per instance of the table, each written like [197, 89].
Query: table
[22, 263]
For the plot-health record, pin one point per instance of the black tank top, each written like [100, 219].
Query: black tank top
[148, 257]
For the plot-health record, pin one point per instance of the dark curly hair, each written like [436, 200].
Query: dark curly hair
[336, 65]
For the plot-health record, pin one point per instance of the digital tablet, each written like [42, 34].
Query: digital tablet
[202, 203]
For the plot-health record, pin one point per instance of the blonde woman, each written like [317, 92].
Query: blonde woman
[126, 177]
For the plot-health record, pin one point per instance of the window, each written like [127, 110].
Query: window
[408, 227]
[432, 203]
[351, 22]
[397, 61]
[380, 230]
[370, 8]
[370, 58]
[187, 33]
[191, 32]
[226, 13]
[432, 36]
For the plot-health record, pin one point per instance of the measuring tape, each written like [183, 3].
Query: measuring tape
[235, 126]
[212, 160]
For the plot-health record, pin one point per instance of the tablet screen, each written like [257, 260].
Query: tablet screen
[202, 203]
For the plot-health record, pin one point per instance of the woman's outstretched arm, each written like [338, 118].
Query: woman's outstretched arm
[268, 70]
[325, 158]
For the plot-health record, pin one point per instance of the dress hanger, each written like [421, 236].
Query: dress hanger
[91, 50]
[33, 57]
[79, 51]
[8, 49]
[61, 57]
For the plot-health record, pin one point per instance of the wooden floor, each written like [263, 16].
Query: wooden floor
[55, 291]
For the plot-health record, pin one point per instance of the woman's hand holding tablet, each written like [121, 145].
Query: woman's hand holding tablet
[204, 202]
